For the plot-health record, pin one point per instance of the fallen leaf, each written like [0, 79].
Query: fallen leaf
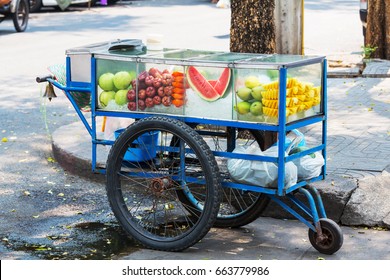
[61, 194]
[50, 192]
[26, 193]
[36, 216]
[320, 258]
[50, 159]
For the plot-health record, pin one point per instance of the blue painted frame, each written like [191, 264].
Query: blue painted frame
[315, 211]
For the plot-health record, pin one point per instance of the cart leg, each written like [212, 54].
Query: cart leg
[324, 234]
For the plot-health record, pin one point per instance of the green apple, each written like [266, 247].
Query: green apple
[256, 93]
[244, 93]
[122, 79]
[256, 108]
[121, 97]
[243, 107]
[133, 75]
[273, 74]
[251, 82]
[105, 97]
[106, 81]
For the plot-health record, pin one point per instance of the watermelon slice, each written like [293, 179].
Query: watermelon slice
[222, 83]
[209, 90]
[200, 85]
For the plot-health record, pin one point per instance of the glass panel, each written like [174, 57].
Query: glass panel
[159, 88]
[226, 57]
[277, 59]
[114, 79]
[185, 54]
[257, 94]
[245, 94]
[249, 88]
[304, 93]
[209, 93]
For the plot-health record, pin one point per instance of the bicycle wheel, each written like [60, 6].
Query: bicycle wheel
[145, 174]
[20, 17]
[238, 207]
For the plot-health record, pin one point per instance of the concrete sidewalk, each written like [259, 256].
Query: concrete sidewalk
[357, 188]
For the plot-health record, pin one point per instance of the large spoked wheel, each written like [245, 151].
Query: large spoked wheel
[145, 174]
[330, 241]
[238, 207]
[20, 17]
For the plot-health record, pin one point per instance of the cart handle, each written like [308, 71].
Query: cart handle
[44, 79]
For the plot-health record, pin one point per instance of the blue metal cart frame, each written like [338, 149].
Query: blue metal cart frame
[324, 234]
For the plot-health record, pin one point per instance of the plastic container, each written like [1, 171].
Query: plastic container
[145, 151]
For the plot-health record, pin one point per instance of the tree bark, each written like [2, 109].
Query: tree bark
[252, 30]
[378, 28]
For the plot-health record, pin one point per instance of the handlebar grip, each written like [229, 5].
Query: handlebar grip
[44, 79]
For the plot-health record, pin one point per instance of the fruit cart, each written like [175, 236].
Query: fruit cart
[194, 155]
[18, 10]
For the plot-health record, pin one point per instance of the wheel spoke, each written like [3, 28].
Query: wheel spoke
[146, 180]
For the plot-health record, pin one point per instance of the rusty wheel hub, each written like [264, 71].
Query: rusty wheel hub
[159, 185]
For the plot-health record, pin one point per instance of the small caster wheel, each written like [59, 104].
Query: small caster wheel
[330, 241]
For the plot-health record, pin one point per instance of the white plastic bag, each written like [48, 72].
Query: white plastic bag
[112, 124]
[309, 166]
[290, 169]
[259, 173]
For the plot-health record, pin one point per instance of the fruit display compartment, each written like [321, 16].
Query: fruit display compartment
[250, 95]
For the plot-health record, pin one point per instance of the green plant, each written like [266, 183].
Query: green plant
[368, 51]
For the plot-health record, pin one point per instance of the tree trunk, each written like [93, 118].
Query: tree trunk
[378, 28]
[252, 30]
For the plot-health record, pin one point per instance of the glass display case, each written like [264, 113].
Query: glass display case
[207, 84]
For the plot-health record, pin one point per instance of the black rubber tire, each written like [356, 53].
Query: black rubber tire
[333, 237]
[35, 6]
[20, 17]
[146, 204]
[238, 208]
